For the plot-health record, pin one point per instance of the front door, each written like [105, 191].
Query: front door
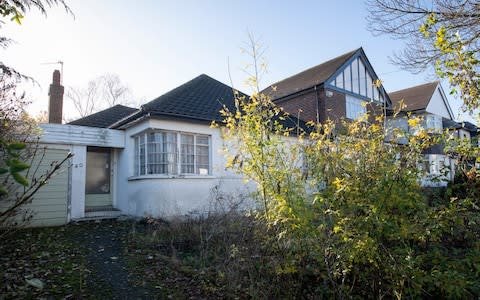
[98, 188]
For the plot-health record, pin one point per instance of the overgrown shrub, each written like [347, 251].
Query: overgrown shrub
[346, 198]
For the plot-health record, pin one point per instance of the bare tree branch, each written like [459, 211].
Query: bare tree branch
[402, 19]
[102, 92]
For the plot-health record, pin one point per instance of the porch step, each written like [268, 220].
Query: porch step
[101, 212]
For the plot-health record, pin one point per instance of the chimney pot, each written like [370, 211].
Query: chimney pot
[56, 77]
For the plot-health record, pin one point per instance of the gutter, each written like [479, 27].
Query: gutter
[299, 93]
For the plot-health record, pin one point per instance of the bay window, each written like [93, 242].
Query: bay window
[171, 153]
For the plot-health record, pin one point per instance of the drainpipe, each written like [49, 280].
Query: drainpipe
[317, 104]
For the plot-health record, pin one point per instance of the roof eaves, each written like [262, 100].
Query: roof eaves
[126, 119]
[301, 92]
[129, 124]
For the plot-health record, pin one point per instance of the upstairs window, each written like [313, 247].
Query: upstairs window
[433, 122]
[171, 153]
[356, 78]
[355, 107]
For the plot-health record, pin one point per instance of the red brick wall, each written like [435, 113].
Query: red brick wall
[303, 106]
[333, 107]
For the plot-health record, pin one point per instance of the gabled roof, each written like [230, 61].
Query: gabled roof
[415, 98]
[200, 99]
[308, 78]
[106, 117]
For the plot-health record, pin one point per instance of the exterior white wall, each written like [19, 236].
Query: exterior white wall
[77, 190]
[438, 104]
[464, 134]
[172, 195]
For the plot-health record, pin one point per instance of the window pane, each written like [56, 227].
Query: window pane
[369, 86]
[340, 80]
[202, 139]
[348, 78]
[202, 155]
[355, 81]
[170, 148]
[202, 160]
[156, 155]
[375, 93]
[187, 154]
[362, 78]
[142, 154]
[137, 156]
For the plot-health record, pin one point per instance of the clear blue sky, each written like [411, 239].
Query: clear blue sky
[155, 46]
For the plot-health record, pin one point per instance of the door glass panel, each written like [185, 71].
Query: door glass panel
[98, 173]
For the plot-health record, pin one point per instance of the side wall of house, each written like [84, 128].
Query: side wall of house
[303, 106]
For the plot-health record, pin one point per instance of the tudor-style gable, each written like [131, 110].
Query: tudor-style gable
[356, 77]
[342, 87]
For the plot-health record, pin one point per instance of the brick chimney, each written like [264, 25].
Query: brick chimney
[55, 105]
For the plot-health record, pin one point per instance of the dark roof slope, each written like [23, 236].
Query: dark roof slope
[447, 123]
[469, 126]
[308, 78]
[416, 98]
[199, 99]
[106, 117]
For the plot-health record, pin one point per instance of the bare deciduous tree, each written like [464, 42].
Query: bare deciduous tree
[114, 91]
[84, 99]
[102, 92]
[402, 19]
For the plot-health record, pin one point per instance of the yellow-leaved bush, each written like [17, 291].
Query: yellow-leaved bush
[345, 197]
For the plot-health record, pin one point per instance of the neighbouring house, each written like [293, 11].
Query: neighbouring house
[344, 87]
[429, 102]
[164, 159]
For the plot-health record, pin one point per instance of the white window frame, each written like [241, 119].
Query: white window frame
[142, 170]
[354, 107]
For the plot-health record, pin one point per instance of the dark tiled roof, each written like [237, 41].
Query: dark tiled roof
[447, 123]
[416, 98]
[308, 78]
[469, 126]
[106, 117]
[200, 99]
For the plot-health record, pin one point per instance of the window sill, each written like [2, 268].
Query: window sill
[159, 176]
